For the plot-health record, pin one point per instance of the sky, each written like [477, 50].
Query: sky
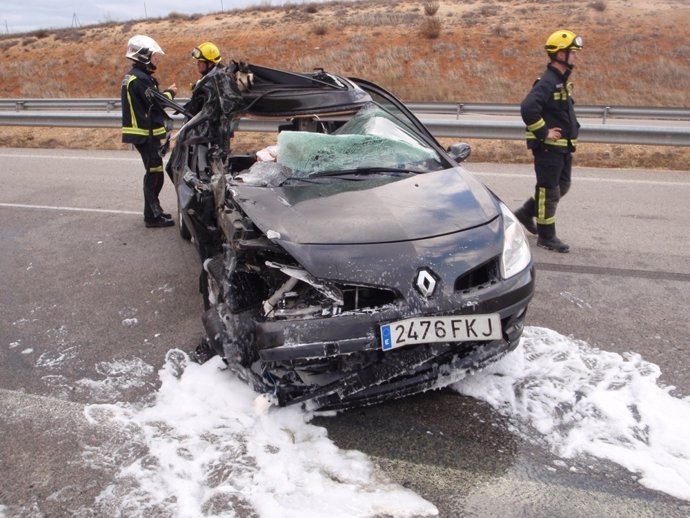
[18, 17]
[185, 454]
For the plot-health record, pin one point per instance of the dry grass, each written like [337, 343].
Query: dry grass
[487, 51]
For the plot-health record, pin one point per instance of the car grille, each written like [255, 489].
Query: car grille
[479, 278]
[362, 297]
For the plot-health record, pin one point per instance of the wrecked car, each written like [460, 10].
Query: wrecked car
[349, 259]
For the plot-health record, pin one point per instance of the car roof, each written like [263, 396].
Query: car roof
[279, 93]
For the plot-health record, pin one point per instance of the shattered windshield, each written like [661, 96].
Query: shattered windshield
[372, 142]
[372, 139]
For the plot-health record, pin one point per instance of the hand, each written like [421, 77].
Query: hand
[173, 88]
[554, 134]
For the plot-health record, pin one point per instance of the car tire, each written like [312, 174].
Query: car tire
[184, 231]
[205, 289]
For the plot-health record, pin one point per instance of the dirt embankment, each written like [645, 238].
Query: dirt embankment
[460, 51]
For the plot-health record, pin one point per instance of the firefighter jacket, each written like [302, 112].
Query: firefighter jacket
[215, 105]
[550, 105]
[200, 91]
[141, 119]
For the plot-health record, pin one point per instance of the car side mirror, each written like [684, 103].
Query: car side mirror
[459, 151]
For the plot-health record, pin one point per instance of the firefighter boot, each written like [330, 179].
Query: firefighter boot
[153, 217]
[160, 211]
[525, 215]
[548, 240]
[159, 223]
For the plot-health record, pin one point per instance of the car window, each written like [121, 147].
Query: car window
[393, 105]
[373, 120]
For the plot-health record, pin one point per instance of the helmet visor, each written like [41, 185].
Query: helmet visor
[577, 43]
[197, 54]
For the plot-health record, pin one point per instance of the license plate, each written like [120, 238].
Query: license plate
[424, 330]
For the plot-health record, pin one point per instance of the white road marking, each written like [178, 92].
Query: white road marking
[75, 209]
[593, 179]
[71, 157]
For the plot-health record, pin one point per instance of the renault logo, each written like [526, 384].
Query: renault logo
[425, 283]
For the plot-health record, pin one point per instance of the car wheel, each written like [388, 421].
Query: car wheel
[184, 231]
[205, 289]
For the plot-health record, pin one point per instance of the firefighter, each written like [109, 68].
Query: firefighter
[207, 57]
[552, 129]
[143, 122]
[218, 95]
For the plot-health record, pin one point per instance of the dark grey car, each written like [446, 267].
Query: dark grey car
[351, 260]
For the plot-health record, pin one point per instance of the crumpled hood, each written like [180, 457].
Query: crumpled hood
[417, 207]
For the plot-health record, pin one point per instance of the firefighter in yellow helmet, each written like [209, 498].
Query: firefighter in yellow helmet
[143, 122]
[215, 103]
[208, 61]
[551, 132]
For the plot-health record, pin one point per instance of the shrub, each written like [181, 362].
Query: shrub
[319, 28]
[431, 27]
[40, 33]
[431, 8]
[598, 5]
[500, 30]
[69, 35]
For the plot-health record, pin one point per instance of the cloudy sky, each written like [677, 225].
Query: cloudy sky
[18, 17]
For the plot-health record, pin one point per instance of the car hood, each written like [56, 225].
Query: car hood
[418, 207]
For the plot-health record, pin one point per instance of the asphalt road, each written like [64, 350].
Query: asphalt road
[84, 282]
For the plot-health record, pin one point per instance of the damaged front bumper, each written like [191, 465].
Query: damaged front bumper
[338, 362]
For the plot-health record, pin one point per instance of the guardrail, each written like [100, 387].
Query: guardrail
[599, 112]
[442, 108]
[656, 132]
[95, 104]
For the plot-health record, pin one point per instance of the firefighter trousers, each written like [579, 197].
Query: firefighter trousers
[153, 178]
[553, 171]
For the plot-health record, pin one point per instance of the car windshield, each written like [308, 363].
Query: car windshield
[372, 140]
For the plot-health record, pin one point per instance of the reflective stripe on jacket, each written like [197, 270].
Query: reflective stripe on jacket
[550, 104]
[140, 119]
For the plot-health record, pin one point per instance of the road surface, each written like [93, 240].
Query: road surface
[85, 285]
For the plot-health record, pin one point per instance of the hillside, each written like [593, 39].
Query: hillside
[636, 53]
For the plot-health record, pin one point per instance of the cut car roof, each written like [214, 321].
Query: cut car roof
[277, 93]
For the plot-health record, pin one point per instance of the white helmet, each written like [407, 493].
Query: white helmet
[140, 48]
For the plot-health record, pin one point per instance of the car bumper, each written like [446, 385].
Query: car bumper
[289, 340]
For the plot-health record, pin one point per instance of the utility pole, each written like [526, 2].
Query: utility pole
[75, 20]
[146, 14]
[7, 29]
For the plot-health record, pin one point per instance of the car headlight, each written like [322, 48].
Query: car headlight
[516, 255]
